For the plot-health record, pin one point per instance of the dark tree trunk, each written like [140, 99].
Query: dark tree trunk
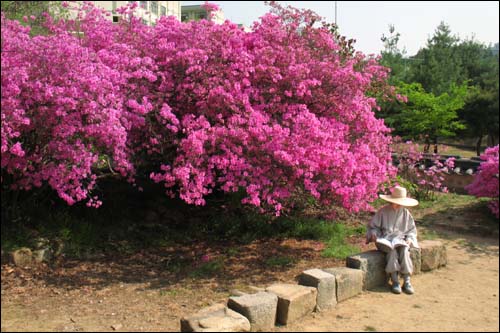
[427, 145]
[478, 145]
[492, 139]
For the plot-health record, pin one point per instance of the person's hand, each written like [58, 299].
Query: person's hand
[372, 238]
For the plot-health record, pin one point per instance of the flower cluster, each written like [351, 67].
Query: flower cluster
[425, 172]
[207, 106]
[485, 182]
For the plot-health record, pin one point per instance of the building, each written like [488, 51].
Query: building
[197, 12]
[148, 11]
[494, 49]
[244, 27]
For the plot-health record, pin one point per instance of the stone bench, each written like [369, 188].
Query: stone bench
[430, 255]
[294, 301]
[433, 255]
[349, 282]
[318, 289]
[325, 284]
[260, 309]
[372, 264]
[215, 318]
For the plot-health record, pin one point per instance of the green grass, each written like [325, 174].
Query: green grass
[280, 261]
[447, 200]
[208, 269]
[336, 250]
[336, 245]
[370, 329]
[451, 150]
[428, 234]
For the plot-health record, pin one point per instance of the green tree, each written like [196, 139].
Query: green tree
[393, 57]
[17, 10]
[428, 115]
[480, 113]
[444, 63]
[438, 67]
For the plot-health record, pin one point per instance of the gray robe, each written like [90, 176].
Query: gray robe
[389, 224]
[395, 224]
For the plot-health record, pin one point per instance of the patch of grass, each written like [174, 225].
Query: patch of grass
[232, 251]
[427, 234]
[14, 239]
[170, 292]
[336, 246]
[208, 269]
[335, 250]
[281, 261]
[444, 200]
[451, 150]
[310, 229]
[370, 329]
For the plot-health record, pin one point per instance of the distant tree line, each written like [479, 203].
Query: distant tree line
[451, 86]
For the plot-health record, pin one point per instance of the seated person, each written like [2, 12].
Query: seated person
[393, 225]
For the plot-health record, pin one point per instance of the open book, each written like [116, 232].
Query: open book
[387, 245]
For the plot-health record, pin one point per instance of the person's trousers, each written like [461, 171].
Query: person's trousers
[398, 260]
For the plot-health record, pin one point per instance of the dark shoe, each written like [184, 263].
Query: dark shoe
[408, 289]
[396, 288]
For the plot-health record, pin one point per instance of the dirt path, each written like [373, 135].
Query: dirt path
[463, 296]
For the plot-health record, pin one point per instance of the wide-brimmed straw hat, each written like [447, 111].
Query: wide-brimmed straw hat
[399, 197]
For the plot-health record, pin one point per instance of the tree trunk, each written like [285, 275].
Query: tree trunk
[492, 139]
[478, 144]
[427, 145]
[435, 141]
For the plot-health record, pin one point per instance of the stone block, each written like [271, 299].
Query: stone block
[349, 281]
[372, 263]
[433, 254]
[42, 255]
[325, 284]
[215, 318]
[294, 301]
[260, 309]
[416, 259]
[22, 257]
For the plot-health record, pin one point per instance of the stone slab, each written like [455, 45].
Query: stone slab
[294, 301]
[433, 254]
[372, 263]
[349, 281]
[325, 284]
[215, 318]
[260, 309]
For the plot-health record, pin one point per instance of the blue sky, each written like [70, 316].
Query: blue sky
[366, 21]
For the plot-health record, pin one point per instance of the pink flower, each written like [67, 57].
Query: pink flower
[208, 107]
[17, 150]
[485, 182]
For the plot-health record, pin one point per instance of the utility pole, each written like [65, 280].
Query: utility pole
[335, 12]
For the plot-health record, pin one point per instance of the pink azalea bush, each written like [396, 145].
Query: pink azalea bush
[202, 106]
[485, 182]
[423, 180]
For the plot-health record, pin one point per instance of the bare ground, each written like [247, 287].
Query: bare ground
[146, 292]
[463, 296]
